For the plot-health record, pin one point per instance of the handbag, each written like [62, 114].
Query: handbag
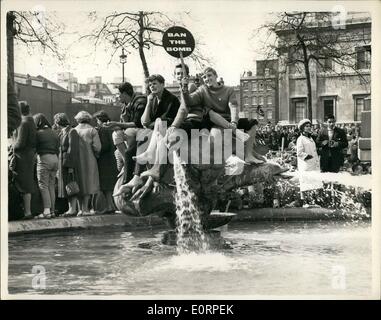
[72, 187]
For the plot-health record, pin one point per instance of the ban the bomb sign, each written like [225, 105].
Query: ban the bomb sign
[178, 41]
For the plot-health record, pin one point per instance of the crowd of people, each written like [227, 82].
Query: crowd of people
[78, 161]
[71, 162]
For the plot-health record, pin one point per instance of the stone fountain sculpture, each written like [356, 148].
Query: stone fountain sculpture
[208, 182]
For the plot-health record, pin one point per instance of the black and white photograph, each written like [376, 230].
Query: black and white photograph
[190, 150]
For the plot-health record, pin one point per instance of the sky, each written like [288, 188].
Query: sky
[224, 34]
[224, 27]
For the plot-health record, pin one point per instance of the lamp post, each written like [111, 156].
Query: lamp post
[123, 60]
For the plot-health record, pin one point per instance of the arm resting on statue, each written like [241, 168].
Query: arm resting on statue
[146, 119]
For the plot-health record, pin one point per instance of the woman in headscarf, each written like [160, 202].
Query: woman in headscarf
[47, 148]
[89, 148]
[308, 159]
[68, 160]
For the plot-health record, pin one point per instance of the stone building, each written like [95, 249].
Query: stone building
[336, 89]
[259, 92]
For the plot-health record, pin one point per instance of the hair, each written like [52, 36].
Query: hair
[185, 66]
[157, 77]
[102, 116]
[83, 117]
[303, 125]
[330, 116]
[24, 108]
[61, 119]
[209, 69]
[127, 88]
[40, 121]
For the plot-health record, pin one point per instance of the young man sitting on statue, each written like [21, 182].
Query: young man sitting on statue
[161, 106]
[194, 117]
[221, 106]
[125, 131]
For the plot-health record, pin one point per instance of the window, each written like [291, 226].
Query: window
[261, 101]
[359, 106]
[269, 114]
[329, 106]
[245, 86]
[269, 100]
[254, 115]
[300, 109]
[261, 86]
[246, 100]
[254, 101]
[363, 58]
[255, 86]
[269, 85]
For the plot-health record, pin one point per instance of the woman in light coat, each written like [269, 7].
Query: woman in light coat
[89, 148]
[308, 159]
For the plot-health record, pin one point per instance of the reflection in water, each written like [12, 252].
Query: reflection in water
[266, 258]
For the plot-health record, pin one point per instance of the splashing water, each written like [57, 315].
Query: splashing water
[344, 178]
[190, 236]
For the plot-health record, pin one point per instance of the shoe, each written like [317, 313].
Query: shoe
[88, 213]
[28, 217]
[43, 216]
[69, 214]
[80, 213]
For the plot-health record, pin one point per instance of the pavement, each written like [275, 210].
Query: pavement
[132, 223]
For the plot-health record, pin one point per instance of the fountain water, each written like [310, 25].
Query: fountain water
[190, 236]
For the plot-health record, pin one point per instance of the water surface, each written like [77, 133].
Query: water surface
[266, 259]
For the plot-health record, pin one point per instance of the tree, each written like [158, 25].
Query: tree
[300, 38]
[39, 28]
[136, 31]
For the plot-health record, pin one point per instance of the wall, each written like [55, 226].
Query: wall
[49, 102]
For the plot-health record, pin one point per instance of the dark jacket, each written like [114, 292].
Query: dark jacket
[48, 142]
[24, 150]
[133, 111]
[166, 110]
[331, 159]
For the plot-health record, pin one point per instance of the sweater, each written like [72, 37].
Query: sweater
[216, 99]
[47, 142]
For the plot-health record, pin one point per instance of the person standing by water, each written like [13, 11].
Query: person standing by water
[25, 154]
[308, 159]
[330, 142]
[69, 164]
[89, 148]
[47, 148]
[108, 171]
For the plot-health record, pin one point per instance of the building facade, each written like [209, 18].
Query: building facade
[43, 96]
[68, 81]
[259, 93]
[336, 88]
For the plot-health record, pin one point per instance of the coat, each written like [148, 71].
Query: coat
[108, 172]
[25, 153]
[89, 148]
[68, 159]
[306, 146]
[331, 159]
